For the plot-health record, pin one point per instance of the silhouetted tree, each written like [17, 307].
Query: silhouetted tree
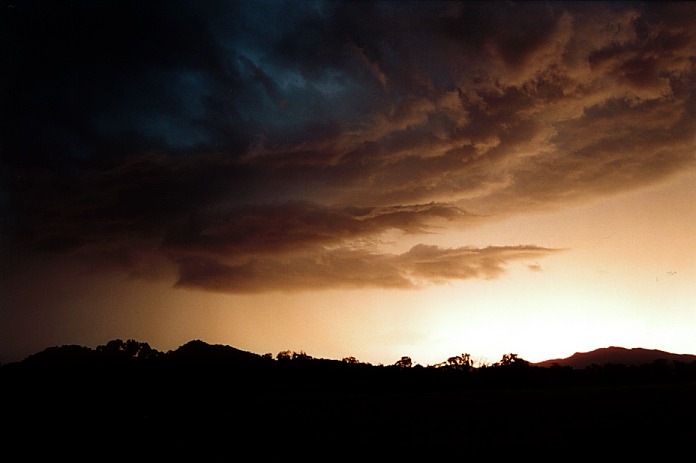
[129, 349]
[115, 345]
[290, 355]
[302, 355]
[511, 359]
[459, 362]
[480, 362]
[404, 362]
[351, 360]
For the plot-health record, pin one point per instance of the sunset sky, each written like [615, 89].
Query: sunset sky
[368, 179]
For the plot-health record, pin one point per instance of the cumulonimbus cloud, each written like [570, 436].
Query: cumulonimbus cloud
[249, 156]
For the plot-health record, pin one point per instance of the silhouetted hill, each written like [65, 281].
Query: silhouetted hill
[125, 401]
[200, 354]
[62, 355]
[617, 356]
[201, 368]
[198, 351]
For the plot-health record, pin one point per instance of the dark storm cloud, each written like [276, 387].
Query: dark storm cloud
[284, 227]
[350, 268]
[269, 145]
[96, 79]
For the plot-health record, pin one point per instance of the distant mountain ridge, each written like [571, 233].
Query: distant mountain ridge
[201, 353]
[617, 355]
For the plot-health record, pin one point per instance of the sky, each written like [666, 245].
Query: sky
[349, 178]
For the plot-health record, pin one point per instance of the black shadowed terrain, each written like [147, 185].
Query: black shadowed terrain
[618, 355]
[125, 401]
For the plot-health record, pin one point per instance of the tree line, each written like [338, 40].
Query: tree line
[458, 371]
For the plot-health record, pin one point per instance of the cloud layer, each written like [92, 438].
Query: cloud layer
[350, 268]
[271, 145]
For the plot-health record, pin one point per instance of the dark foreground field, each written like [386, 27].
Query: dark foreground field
[186, 409]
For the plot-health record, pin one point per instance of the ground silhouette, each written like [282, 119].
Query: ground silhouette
[618, 355]
[125, 401]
